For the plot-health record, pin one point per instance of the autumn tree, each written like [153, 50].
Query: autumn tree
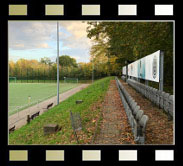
[66, 60]
[134, 40]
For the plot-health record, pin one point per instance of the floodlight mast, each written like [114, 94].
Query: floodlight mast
[57, 62]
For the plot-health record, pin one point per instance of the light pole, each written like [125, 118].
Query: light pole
[57, 62]
[93, 58]
[161, 70]
[126, 63]
[92, 70]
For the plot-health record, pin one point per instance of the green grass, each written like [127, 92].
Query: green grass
[19, 92]
[89, 110]
[48, 81]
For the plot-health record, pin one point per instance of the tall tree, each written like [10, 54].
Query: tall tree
[66, 60]
[46, 60]
[134, 40]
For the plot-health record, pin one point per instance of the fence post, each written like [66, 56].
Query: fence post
[49, 80]
[38, 75]
[44, 75]
[27, 75]
[21, 75]
[146, 82]
[126, 72]
[32, 75]
[161, 70]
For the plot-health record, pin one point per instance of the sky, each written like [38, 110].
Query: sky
[38, 39]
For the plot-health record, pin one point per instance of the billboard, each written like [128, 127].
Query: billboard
[124, 70]
[132, 69]
[146, 68]
[152, 66]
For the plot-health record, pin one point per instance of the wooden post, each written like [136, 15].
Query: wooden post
[28, 119]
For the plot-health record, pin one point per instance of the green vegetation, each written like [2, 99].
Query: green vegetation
[89, 110]
[121, 41]
[19, 93]
[66, 60]
[113, 44]
[166, 88]
[44, 71]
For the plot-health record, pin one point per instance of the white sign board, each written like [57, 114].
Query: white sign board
[124, 70]
[152, 66]
[132, 69]
[146, 68]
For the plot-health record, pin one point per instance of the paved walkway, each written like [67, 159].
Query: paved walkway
[19, 119]
[114, 128]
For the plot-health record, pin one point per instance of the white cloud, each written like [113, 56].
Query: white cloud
[76, 57]
[19, 45]
[43, 45]
[25, 35]
[78, 37]
[30, 34]
[77, 28]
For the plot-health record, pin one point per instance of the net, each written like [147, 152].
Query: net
[70, 80]
[12, 79]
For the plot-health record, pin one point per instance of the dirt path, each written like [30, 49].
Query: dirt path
[159, 130]
[114, 128]
[19, 119]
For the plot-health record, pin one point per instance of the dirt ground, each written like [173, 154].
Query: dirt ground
[114, 128]
[159, 129]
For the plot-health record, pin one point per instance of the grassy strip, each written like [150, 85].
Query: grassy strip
[33, 132]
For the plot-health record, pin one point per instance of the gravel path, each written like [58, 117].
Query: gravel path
[114, 128]
[159, 129]
[19, 119]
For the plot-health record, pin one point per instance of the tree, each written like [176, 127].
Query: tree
[66, 60]
[46, 60]
[134, 40]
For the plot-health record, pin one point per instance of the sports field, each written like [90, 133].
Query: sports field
[19, 93]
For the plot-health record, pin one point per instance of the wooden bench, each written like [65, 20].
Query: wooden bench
[34, 115]
[29, 118]
[49, 105]
[12, 129]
